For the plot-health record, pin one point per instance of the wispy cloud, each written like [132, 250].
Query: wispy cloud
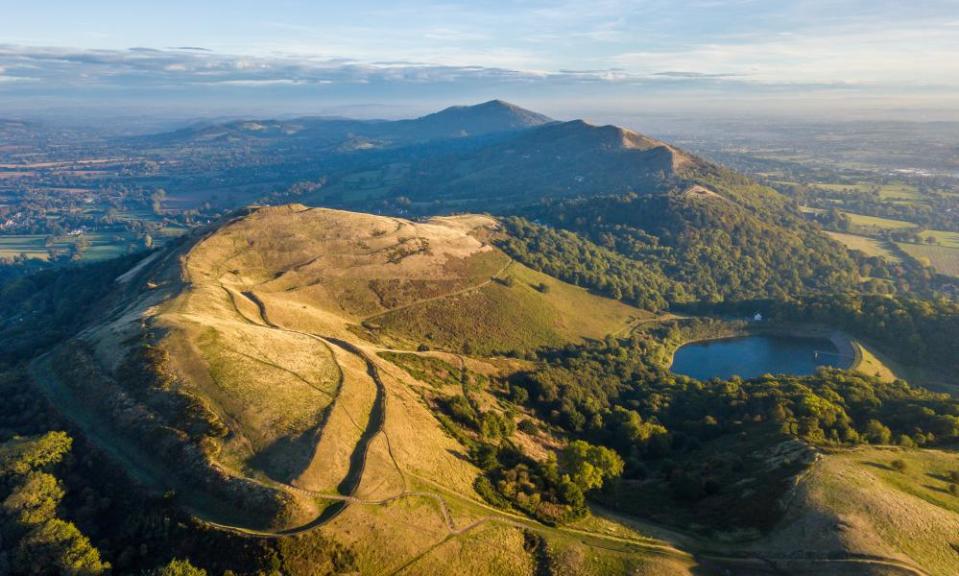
[693, 75]
[62, 67]
[738, 64]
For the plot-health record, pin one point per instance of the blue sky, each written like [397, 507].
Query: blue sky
[599, 57]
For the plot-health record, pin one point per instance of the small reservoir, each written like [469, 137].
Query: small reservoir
[752, 356]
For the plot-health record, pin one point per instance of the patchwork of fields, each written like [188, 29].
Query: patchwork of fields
[102, 245]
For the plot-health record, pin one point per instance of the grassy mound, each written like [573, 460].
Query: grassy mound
[518, 311]
[873, 501]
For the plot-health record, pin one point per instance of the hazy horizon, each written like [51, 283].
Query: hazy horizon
[610, 60]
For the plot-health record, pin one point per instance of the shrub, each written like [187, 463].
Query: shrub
[899, 465]
[178, 568]
[528, 426]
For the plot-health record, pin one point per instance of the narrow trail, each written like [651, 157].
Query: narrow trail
[376, 424]
[351, 481]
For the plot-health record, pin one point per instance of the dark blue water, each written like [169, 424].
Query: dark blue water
[752, 356]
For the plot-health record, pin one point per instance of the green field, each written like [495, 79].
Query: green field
[943, 237]
[892, 191]
[944, 259]
[495, 317]
[864, 221]
[866, 245]
[103, 245]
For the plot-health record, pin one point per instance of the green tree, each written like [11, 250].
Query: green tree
[589, 466]
[34, 501]
[877, 433]
[23, 455]
[178, 568]
[58, 547]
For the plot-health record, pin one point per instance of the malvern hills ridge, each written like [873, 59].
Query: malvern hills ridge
[443, 346]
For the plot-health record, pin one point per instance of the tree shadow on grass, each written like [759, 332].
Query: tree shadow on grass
[935, 489]
[287, 458]
[942, 478]
[459, 455]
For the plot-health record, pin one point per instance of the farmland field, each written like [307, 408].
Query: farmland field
[103, 245]
[891, 191]
[874, 222]
[868, 246]
[944, 259]
[943, 237]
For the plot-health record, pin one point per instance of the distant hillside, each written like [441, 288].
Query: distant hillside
[342, 134]
[463, 121]
[717, 234]
[549, 161]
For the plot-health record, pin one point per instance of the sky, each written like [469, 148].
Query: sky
[609, 59]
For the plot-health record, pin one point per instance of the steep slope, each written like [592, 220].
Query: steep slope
[736, 242]
[857, 503]
[272, 373]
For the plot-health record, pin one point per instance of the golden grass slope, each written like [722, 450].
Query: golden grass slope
[854, 503]
[249, 334]
[511, 313]
[866, 245]
[943, 259]
[296, 406]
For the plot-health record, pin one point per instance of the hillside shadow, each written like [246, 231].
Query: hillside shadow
[458, 455]
[745, 566]
[287, 458]
[935, 488]
[942, 478]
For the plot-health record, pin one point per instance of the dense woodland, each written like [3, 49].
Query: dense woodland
[917, 330]
[699, 439]
[715, 249]
[900, 306]
[39, 309]
[616, 392]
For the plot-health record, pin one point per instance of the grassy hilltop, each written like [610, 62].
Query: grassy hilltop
[250, 342]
